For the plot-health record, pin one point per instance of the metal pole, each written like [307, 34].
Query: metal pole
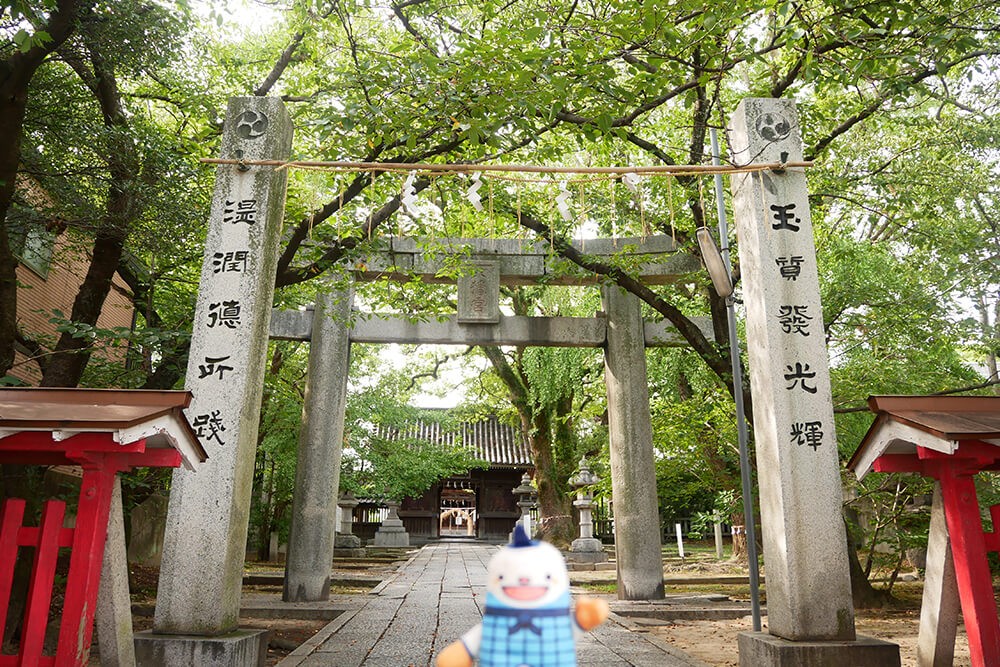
[741, 423]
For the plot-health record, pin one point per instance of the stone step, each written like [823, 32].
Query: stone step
[305, 611]
[337, 579]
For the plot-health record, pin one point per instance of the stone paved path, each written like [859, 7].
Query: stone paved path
[432, 601]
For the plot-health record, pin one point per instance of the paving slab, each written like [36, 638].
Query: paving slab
[433, 599]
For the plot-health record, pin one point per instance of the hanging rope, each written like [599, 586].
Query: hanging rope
[671, 169]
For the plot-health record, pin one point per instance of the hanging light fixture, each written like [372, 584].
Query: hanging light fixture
[716, 265]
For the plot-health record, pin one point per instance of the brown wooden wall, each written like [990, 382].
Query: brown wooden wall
[57, 291]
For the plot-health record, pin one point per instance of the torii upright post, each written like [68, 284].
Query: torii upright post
[633, 468]
[317, 471]
[809, 606]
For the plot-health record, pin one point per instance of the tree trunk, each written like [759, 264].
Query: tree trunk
[865, 595]
[72, 353]
[740, 554]
[16, 73]
[8, 303]
[65, 368]
[556, 519]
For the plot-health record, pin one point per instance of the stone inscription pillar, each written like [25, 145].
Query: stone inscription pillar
[805, 546]
[317, 469]
[205, 540]
[633, 474]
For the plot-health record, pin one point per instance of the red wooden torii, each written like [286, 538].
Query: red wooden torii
[104, 431]
[948, 438]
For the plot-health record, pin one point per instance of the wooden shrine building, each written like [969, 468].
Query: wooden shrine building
[478, 504]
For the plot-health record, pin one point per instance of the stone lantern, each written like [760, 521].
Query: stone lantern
[525, 500]
[346, 544]
[586, 548]
[392, 533]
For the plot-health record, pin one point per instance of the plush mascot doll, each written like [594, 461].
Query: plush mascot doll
[528, 622]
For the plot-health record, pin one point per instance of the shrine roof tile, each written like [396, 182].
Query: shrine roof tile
[502, 445]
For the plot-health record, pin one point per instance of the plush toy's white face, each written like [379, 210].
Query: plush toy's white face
[528, 577]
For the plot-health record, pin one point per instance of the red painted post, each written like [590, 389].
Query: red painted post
[10, 524]
[975, 584]
[43, 571]
[993, 539]
[84, 575]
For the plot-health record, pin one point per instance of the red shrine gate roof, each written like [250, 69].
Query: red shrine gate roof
[940, 423]
[128, 414]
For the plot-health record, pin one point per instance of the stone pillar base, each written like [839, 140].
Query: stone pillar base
[242, 648]
[760, 649]
[586, 554]
[586, 545]
[346, 541]
[392, 536]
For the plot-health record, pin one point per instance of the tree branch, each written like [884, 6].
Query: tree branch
[687, 329]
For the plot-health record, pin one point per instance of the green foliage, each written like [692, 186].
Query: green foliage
[897, 104]
[726, 504]
[390, 456]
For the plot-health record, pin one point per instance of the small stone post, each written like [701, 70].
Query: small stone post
[940, 609]
[207, 518]
[114, 609]
[317, 469]
[633, 470]
[809, 601]
[586, 548]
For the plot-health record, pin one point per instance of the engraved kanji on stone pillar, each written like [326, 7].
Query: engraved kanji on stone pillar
[205, 540]
[805, 547]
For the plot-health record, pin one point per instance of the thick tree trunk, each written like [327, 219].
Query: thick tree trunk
[65, 368]
[72, 353]
[16, 73]
[555, 516]
[554, 504]
[13, 97]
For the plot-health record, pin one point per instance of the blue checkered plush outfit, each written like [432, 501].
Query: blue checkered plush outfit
[514, 637]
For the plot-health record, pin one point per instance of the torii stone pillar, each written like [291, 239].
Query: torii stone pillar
[633, 471]
[809, 607]
[317, 469]
[205, 540]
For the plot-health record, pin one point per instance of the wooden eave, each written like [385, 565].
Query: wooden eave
[939, 423]
[128, 415]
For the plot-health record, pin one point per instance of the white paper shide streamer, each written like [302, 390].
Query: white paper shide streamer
[408, 196]
[472, 194]
[631, 181]
[562, 202]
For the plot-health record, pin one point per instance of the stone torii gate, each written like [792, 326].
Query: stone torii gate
[619, 329]
[809, 605]
[197, 610]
